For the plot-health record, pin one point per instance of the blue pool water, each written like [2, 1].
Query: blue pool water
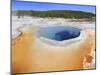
[59, 33]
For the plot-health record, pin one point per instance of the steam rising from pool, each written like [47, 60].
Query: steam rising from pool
[59, 33]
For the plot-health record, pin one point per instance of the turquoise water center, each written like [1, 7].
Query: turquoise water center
[59, 33]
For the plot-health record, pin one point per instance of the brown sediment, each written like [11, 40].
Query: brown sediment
[20, 52]
[89, 47]
[31, 55]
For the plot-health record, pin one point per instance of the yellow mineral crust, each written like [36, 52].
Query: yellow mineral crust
[30, 54]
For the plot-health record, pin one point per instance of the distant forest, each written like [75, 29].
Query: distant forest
[55, 14]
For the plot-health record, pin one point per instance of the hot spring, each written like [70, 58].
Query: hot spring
[59, 33]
